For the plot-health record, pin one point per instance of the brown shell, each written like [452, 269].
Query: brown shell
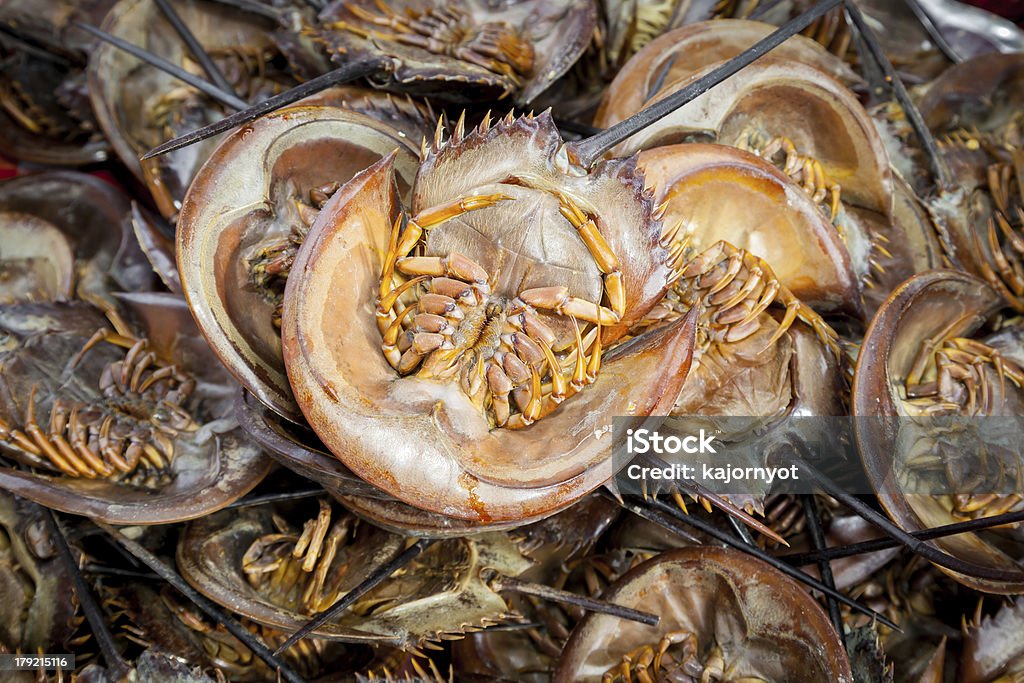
[688, 49]
[423, 441]
[298, 448]
[973, 93]
[207, 475]
[238, 199]
[37, 263]
[93, 218]
[772, 627]
[786, 98]
[918, 310]
[124, 90]
[443, 590]
[723, 193]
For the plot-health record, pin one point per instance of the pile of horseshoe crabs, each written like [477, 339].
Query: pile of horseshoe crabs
[350, 366]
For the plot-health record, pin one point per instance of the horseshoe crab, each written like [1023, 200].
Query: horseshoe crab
[801, 120]
[45, 115]
[279, 574]
[926, 380]
[493, 50]
[236, 248]
[125, 429]
[520, 270]
[138, 106]
[724, 616]
[975, 107]
[76, 240]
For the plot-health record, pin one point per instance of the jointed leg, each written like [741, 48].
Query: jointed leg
[601, 252]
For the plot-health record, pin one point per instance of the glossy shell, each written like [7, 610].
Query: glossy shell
[723, 193]
[298, 448]
[783, 98]
[766, 624]
[918, 310]
[243, 196]
[681, 52]
[423, 441]
[125, 92]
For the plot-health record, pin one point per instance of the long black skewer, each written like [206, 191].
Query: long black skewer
[936, 163]
[933, 31]
[208, 607]
[813, 515]
[93, 614]
[501, 583]
[588, 151]
[343, 74]
[263, 498]
[369, 583]
[741, 531]
[198, 51]
[24, 43]
[666, 516]
[886, 543]
[100, 570]
[205, 87]
[915, 545]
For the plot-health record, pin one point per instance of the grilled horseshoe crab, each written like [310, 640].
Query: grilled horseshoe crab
[45, 116]
[263, 564]
[448, 374]
[801, 120]
[975, 108]
[123, 428]
[724, 616]
[933, 392]
[761, 351]
[717, 193]
[245, 216]
[139, 106]
[492, 50]
[67, 235]
[32, 581]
